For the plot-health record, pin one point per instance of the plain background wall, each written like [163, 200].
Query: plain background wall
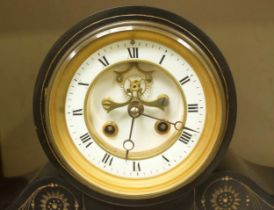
[243, 30]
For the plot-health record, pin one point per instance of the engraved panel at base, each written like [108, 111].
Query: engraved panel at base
[221, 191]
[229, 191]
[48, 194]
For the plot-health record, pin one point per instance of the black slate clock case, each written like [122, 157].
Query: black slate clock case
[118, 14]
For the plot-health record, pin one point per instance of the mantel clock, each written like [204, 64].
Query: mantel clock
[135, 105]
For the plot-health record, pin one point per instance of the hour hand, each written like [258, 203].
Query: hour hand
[161, 102]
[109, 104]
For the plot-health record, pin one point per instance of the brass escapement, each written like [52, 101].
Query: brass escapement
[135, 89]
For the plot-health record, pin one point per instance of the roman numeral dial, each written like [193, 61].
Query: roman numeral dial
[133, 52]
[162, 59]
[107, 159]
[192, 108]
[184, 80]
[103, 61]
[77, 112]
[86, 140]
[136, 166]
[185, 137]
[130, 76]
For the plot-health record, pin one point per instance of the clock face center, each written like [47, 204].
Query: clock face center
[139, 90]
[135, 109]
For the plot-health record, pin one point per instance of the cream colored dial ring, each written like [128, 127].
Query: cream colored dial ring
[135, 179]
[152, 143]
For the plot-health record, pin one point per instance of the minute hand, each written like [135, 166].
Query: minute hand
[128, 144]
[178, 125]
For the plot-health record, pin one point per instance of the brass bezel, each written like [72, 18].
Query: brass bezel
[204, 152]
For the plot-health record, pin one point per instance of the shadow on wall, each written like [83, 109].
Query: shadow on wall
[261, 175]
[21, 149]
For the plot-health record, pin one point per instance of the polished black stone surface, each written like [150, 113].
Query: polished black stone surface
[221, 191]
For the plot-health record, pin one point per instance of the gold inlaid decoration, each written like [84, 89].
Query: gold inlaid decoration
[232, 192]
[225, 198]
[50, 197]
[54, 201]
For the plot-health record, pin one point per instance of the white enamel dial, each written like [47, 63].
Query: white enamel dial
[149, 152]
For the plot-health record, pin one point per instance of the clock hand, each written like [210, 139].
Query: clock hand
[135, 109]
[128, 144]
[178, 125]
